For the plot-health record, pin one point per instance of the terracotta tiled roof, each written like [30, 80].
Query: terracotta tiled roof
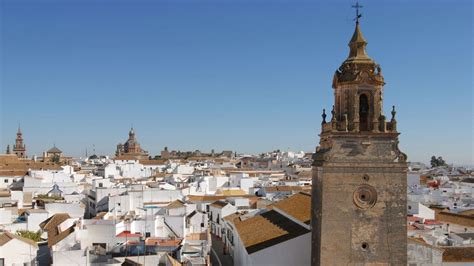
[219, 204]
[53, 221]
[298, 206]
[458, 254]
[13, 172]
[283, 188]
[172, 261]
[411, 227]
[128, 234]
[413, 219]
[163, 242]
[7, 236]
[432, 222]
[232, 192]
[63, 234]
[467, 212]
[231, 217]
[100, 216]
[51, 226]
[205, 197]
[438, 207]
[175, 204]
[11, 165]
[267, 229]
[152, 162]
[5, 193]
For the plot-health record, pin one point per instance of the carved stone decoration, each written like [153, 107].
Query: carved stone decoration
[359, 73]
[365, 196]
[400, 156]
[324, 116]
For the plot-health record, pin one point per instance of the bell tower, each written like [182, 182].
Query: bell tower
[359, 174]
[19, 148]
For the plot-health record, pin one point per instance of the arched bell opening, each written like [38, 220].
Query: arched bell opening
[364, 112]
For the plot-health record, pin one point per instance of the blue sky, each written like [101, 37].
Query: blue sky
[248, 75]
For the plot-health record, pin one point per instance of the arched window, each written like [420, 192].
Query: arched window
[364, 112]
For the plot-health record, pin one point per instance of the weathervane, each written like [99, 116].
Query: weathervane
[358, 15]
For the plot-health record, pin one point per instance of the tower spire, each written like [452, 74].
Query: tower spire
[357, 46]
[358, 43]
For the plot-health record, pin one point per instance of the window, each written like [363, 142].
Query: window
[2, 262]
[230, 236]
[5, 180]
[118, 204]
[101, 185]
[102, 245]
[364, 112]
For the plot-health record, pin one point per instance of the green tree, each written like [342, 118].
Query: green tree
[35, 236]
[441, 162]
[55, 159]
[433, 161]
[436, 162]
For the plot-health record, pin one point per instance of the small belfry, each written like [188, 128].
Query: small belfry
[19, 148]
[358, 86]
[359, 173]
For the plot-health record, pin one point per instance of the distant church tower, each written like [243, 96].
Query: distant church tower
[359, 174]
[19, 148]
[131, 147]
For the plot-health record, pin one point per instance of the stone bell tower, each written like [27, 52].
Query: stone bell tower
[359, 174]
[19, 148]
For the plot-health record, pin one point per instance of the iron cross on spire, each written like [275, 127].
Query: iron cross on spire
[358, 15]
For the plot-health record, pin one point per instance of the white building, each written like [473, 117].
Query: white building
[42, 181]
[217, 211]
[16, 250]
[75, 210]
[425, 212]
[34, 217]
[281, 236]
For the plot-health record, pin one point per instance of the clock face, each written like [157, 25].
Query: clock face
[365, 196]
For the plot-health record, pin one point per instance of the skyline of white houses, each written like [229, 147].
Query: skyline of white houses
[244, 210]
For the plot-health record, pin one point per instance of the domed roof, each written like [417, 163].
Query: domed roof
[358, 67]
[54, 150]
